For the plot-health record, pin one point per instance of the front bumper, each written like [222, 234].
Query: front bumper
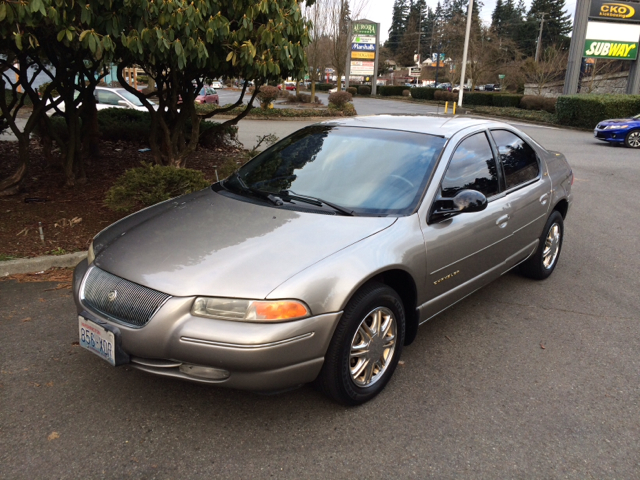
[257, 356]
[610, 135]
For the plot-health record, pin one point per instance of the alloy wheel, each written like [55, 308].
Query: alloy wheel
[551, 246]
[372, 347]
[634, 139]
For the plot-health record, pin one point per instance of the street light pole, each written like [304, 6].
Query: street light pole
[463, 70]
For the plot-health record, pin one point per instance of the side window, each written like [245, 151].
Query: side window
[518, 158]
[107, 98]
[472, 167]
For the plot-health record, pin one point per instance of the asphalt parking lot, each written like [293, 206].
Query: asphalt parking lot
[523, 379]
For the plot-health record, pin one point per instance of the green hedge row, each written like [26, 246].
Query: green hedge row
[423, 93]
[470, 98]
[392, 90]
[586, 111]
[324, 87]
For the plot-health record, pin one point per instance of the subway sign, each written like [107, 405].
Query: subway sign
[611, 50]
[618, 11]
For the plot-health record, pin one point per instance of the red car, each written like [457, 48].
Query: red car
[288, 86]
[208, 95]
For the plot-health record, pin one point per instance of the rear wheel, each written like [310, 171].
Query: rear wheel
[633, 139]
[543, 262]
[366, 346]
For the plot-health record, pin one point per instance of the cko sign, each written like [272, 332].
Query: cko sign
[619, 11]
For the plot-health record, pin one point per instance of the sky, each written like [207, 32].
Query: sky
[381, 11]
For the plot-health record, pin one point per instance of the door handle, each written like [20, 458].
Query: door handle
[502, 221]
[544, 199]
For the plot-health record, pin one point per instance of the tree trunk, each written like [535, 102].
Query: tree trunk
[11, 184]
[90, 130]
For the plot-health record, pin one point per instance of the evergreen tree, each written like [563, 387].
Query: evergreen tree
[557, 25]
[398, 25]
[498, 17]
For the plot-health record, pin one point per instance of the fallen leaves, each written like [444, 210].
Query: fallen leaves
[61, 275]
[53, 436]
[63, 222]
[28, 319]
[542, 346]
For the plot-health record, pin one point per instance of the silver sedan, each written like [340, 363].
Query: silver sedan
[319, 258]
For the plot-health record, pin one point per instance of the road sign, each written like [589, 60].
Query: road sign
[501, 76]
[415, 72]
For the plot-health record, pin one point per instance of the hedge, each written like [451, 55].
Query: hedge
[324, 87]
[506, 100]
[364, 90]
[586, 111]
[391, 90]
[423, 93]
[537, 102]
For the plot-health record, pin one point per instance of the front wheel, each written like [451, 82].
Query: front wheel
[633, 139]
[543, 262]
[366, 346]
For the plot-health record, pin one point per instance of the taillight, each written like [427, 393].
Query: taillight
[572, 177]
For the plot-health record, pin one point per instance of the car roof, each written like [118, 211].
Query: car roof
[432, 125]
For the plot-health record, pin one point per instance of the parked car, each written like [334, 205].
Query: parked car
[107, 97]
[624, 131]
[217, 85]
[288, 85]
[208, 95]
[319, 258]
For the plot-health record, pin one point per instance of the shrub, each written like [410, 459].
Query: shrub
[267, 94]
[423, 93]
[506, 100]
[391, 90]
[347, 110]
[537, 102]
[149, 184]
[306, 98]
[477, 98]
[406, 93]
[587, 110]
[353, 91]
[445, 96]
[364, 90]
[43, 87]
[340, 99]
[324, 87]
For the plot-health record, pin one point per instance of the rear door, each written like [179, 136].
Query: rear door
[467, 250]
[528, 190]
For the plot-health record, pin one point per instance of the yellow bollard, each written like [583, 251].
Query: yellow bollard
[454, 108]
[446, 107]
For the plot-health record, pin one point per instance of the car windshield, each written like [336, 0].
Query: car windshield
[367, 171]
[131, 97]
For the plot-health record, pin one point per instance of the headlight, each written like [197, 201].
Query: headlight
[615, 127]
[249, 310]
[91, 256]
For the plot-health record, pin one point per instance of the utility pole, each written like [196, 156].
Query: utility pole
[540, 38]
[463, 70]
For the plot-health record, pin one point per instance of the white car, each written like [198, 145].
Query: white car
[109, 98]
[217, 85]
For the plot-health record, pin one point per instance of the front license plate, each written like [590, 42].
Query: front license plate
[98, 340]
[595, 133]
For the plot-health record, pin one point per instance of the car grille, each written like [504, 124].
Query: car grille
[120, 299]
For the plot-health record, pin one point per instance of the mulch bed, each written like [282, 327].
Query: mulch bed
[71, 217]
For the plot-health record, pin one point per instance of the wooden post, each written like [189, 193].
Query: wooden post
[135, 77]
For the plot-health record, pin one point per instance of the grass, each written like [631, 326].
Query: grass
[5, 258]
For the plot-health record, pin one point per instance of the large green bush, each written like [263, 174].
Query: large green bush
[324, 87]
[445, 96]
[149, 184]
[364, 90]
[477, 98]
[391, 90]
[340, 99]
[423, 93]
[586, 111]
[353, 91]
[506, 100]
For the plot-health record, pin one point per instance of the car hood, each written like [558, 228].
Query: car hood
[209, 244]
[614, 121]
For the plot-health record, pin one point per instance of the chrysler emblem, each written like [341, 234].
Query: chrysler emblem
[112, 295]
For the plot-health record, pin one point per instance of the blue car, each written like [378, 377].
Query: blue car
[623, 130]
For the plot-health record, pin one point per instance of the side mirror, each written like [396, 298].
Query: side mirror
[465, 201]
[123, 103]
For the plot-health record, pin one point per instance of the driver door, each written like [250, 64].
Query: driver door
[467, 250]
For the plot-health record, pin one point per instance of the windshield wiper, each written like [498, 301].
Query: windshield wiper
[291, 195]
[258, 193]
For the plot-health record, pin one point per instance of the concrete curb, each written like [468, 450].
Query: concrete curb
[40, 264]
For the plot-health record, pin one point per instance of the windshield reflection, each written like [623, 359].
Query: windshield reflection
[370, 171]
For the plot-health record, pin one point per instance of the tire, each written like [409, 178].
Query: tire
[632, 139]
[355, 379]
[543, 262]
